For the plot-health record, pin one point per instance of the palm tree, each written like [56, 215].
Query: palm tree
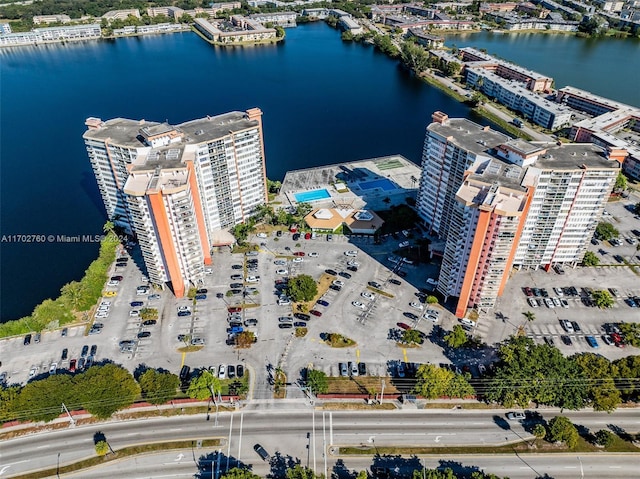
[529, 316]
[108, 227]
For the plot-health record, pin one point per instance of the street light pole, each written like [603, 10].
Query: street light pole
[581, 468]
[382, 392]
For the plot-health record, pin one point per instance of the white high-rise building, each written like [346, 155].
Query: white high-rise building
[178, 188]
[502, 203]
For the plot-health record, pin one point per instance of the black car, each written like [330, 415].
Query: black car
[236, 266]
[65, 354]
[94, 350]
[331, 272]
[81, 364]
[566, 339]
[544, 292]
[410, 315]
[352, 268]
[149, 322]
[344, 274]
[184, 313]
[264, 455]
[335, 287]
[236, 285]
[135, 304]
[374, 284]
[302, 316]
[402, 274]
[285, 325]
[231, 371]
[549, 340]
[85, 350]
[202, 291]
[300, 324]
[219, 295]
[144, 334]
[240, 370]
[395, 281]
[362, 369]
[27, 340]
[296, 236]
[279, 233]
[236, 291]
[65, 331]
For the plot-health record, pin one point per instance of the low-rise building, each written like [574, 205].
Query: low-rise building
[52, 34]
[40, 19]
[121, 14]
[282, 19]
[319, 13]
[426, 39]
[5, 28]
[238, 30]
[514, 95]
[170, 11]
[514, 22]
[330, 219]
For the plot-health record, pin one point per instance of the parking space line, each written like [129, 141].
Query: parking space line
[184, 354]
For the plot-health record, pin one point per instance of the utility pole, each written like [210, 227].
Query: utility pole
[581, 469]
[72, 422]
[382, 393]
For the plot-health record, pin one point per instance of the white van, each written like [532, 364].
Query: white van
[468, 322]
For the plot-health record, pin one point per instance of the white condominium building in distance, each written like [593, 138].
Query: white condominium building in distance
[177, 188]
[501, 203]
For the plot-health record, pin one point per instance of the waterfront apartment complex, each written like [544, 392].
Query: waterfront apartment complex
[178, 188]
[501, 203]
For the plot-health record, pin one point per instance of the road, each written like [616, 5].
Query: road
[300, 434]
[185, 464]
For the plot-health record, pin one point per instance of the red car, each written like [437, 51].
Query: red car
[234, 309]
[404, 326]
[617, 339]
[307, 236]
[298, 253]
[72, 365]
[315, 312]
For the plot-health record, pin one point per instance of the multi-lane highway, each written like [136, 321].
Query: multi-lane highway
[303, 435]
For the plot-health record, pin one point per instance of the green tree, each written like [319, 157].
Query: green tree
[590, 259]
[237, 473]
[273, 186]
[71, 295]
[49, 311]
[628, 377]
[602, 299]
[600, 373]
[606, 231]
[302, 288]
[451, 69]
[362, 475]
[432, 300]
[102, 448]
[411, 336]
[530, 372]
[300, 472]
[539, 431]
[204, 386]
[41, 400]
[561, 429]
[456, 338]
[529, 316]
[279, 31]
[317, 381]
[9, 405]
[631, 333]
[433, 382]
[621, 182]
[386, 46]
[414, 57]
[604, 438]
[158, 387]
[245, 339]
[106, 389]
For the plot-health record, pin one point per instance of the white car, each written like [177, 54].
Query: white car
[208, 271]
[313, 254]
[222, 372]
[298, 259]
[284, 302]
[404, 244]
[358, 304]
[416, 305]
[556, 302]
[33, 372]
[351, 252]
[433, 312]
[432, 282]
[532, 302]
[261, 235]
[337, 282]
[183, 308]
[53, 368]
[353, 262]
[549, 303]
[134, 313]
[105, 303]
[367, 294]
[252, 279]
[113, 282]
[432, 318]
[282, 272]
[102, 314]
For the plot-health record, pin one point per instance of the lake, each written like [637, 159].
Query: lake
[324, 101]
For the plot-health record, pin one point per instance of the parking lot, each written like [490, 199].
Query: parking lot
[357, 311]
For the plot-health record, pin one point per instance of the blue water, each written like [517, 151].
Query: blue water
[384, 183]
[315, 91]
[314, 195]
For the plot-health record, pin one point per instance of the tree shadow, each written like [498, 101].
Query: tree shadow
[533, 419]
[341, 471]
[140, 370]
[620, 432]
[585, 433]
[214, 464]
[394, 466]
[280, 464]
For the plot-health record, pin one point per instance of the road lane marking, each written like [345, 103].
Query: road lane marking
[175, 429]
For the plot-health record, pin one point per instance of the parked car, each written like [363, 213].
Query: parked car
[343, 369]
[264, 455]
[315, 312]
[27, 340]
[591, 341]
[566, 340]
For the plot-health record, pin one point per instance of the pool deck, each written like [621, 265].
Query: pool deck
[396, 168]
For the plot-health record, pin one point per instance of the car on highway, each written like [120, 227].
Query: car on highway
[516, 416]
[261, 451]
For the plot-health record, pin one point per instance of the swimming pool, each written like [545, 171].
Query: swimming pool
[313, 195]
[384, 183]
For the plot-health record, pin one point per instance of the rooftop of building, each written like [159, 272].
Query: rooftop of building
[586, 95]
[469, 135]
[571, 156]
[126, 132]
